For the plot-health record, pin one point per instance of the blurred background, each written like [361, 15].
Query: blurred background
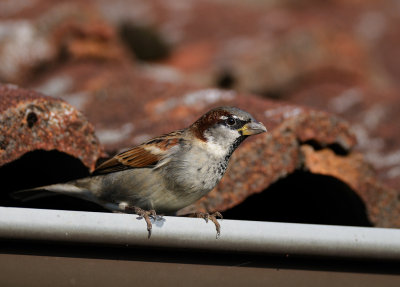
[115, 61]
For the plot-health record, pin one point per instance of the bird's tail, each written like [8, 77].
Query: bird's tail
[49, 190]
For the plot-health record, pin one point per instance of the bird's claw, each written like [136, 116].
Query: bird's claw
[145, 214]
[213, 217]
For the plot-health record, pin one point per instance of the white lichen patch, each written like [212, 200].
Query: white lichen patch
[112, 136]
[21, 46]
[346, 100]
[197, 99]
[284, 111]
[56, 86]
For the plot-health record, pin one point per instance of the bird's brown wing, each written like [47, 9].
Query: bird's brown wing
[148, 154]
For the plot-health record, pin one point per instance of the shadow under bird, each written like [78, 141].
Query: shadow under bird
[166, 173]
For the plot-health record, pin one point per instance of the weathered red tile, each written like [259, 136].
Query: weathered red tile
[338, 56]
[31, 121]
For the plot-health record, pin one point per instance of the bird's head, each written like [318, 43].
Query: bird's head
[224, 128]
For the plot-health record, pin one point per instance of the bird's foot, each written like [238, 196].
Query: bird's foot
[146, 214]
[213, 217]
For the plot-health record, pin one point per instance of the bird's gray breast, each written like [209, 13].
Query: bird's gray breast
[197, 171]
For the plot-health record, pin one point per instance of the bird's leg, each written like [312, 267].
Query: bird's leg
[213, 217]
[146, 214]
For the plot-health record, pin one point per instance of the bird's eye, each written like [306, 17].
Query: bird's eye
[230, 121]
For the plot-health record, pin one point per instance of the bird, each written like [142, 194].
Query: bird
[165, 173]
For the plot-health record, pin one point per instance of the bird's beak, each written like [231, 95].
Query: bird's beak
[252, 128]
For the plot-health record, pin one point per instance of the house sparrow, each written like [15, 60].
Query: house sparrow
[168, 172]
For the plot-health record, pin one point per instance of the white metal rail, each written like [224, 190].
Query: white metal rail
[194, 233]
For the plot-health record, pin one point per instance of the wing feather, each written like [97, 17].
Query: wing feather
[145, 155]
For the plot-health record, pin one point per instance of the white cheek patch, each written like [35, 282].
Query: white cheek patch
[221, 147]
[216, 149]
